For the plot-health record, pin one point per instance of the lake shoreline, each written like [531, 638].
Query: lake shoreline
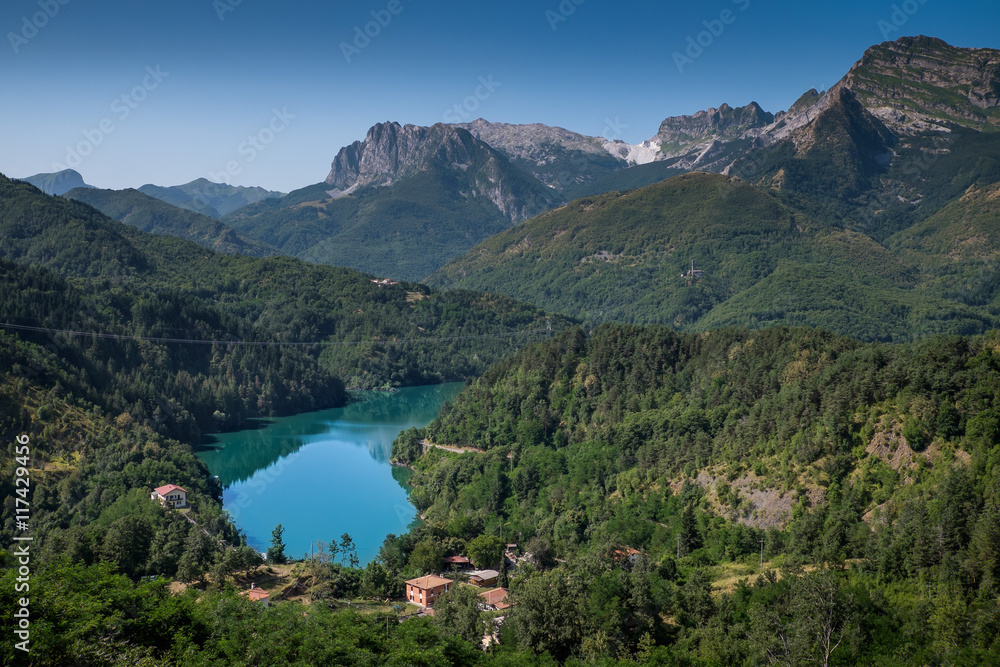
[323, 473]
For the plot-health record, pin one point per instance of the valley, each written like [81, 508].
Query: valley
[508, 394]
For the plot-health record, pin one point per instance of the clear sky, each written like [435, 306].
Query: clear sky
[130, 92]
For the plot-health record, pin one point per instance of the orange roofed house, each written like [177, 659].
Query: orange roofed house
[423, 590]
[170, 495]
[257, 595]
[495, 600]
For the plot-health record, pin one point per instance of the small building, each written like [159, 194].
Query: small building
[257, 595]
[458, 562]
[626, 556]
[484, 578]
[495, 600]
[170, 496]
[423, 591]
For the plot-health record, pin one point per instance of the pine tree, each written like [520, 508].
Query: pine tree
[348, 552]
[690, 536]
[503, 580]
[276, 552]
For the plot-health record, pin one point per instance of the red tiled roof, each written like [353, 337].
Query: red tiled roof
[164, 490]
[456, 559]
[497, 597]
[257, 594]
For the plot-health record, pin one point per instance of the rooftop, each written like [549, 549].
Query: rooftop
[497, 597]
[485, 574]
[164, 490]
[430, 581]
[256, 594]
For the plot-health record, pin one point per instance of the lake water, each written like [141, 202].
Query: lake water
[321, 474]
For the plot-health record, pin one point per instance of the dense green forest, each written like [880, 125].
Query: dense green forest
[869, 474]
[194, 340]
[120, 348]
[641, 470]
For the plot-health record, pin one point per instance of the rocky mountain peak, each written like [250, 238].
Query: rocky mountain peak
[683, 135]
[725, 119]
[390, 151]
[557, 157]
[922, 83]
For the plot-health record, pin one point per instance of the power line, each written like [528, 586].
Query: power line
[260, 343]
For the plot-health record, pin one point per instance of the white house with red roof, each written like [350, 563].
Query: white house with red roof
[170, 496]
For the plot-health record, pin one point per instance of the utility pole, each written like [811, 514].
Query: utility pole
[762, 555]
[678, 547]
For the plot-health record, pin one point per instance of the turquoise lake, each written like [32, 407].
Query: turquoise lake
[321, 474]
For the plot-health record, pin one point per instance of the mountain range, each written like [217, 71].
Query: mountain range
[156, 216]
[212, 199]
[867, 210]
[446, 187]
[835, 213]
[200, 195]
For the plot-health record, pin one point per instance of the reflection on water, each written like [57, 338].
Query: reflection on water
[324, 473]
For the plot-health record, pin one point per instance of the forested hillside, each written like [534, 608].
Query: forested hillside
[627, 257]
[212, 339]
[875, 467]
[118, 349]
[158, 217]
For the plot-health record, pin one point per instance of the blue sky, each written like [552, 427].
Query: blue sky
[262, 93]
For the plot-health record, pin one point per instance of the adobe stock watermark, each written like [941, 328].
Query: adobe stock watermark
[613, 128]
[899, 17]
[121, 108]
[466, 109]
[259, 484]
[363, 35]
[223, 7]
[31, 25]
[562, 13]
[696, 44]
[253, 146]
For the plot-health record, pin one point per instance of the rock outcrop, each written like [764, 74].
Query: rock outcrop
[391, 152]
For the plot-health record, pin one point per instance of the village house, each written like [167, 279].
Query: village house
[484, 578]
[170, 496]
[423, 591]
[257, 595]
[458, 562]
[495, 600]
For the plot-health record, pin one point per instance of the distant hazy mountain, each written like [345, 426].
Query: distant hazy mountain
[57, 183]
[208, 198]
[158, 217]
